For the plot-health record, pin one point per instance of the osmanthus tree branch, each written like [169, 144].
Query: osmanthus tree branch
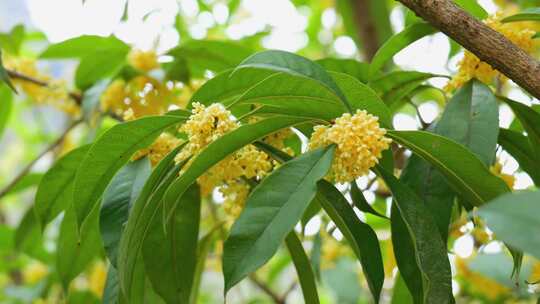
[16, 75]
[486, 43]
[367, 29]
[29, 166]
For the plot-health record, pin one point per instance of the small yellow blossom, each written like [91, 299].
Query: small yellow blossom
[472, 67]
[509, 179]
[360, 141]
[535, 273]
[34, 272]
[164, 144]
[235, 193]
[54, 93]
[277, 139]
[205, 125]
[480, 235]
[479, 284]
[97, 278]
[143, 60]
[332, 250]
[141, 96]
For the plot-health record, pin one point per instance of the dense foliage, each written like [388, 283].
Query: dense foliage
[219, 169]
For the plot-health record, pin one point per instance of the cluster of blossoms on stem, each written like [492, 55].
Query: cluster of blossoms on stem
[472, 67]
[143, 60]
[359, 140]
[207, 124]
[138, 97]
[55, 93]
[164, 144]
[479, 284]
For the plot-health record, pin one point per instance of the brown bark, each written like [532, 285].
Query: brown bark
[366, 28]
[486, 43]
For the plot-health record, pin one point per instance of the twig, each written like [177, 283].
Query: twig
[275, 297]
[29, 166]
[16, 75]
[424, 124]
[289, 290]
[487, 44]
[366, 27]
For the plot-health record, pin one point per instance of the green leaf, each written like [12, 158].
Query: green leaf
[530, 119]
[11, 42]
[211, 55]
[305, 273]
[4, 77]
[290, 94]
[394, 80]
[357, 69]
[203, 249]
[294, 64]
[360, 202]
[473, 8]
[519, 147]
[170, 256]
[430, 250]
[221, 148]
[28, 238]
[75, 252]
[227, 86]
[55, 192]
[111, 292]
[270, 215]
[471, 118]
[398, 42]
[513, 218]
[109, 153]
[404, 252]
[400, 295]
[28, 181]
[6, 102]
[139, 220]
[464, 171]
[360, 236]
[119, 196]
[82, 46]
[363, 97]
[529, 14]
[98, 65]
[177, 70]
[91, 99]
[343, 281]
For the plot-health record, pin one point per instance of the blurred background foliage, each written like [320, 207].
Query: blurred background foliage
[170, 48]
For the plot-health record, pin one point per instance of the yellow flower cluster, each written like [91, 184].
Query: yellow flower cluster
[205, 125]
[496, 169]
[360, 141]
[479, 284]
[472, 67]
[54, 93]
[143, 60]
[34, 272]
[141, 96]
[332, 250]
[235, 193]
[97, 278]
[164, 144]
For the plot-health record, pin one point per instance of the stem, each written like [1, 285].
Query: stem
[29, 166]
[16, 75]
[276, 298]
[366, 27]
[487, 44]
